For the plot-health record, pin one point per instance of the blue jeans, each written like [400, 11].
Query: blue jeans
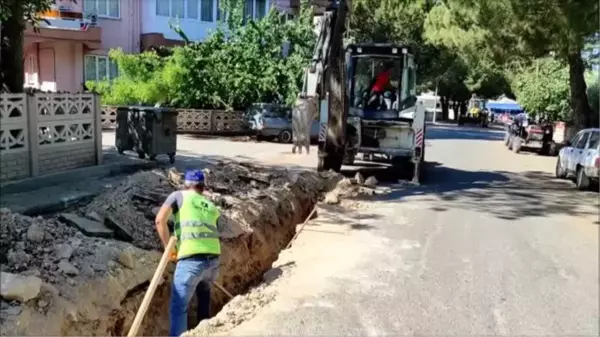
[193, 274]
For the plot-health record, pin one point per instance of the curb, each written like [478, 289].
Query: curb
[52, 206]
[93, 172]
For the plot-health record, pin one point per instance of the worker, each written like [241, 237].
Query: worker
[381, 83]
[197, 250]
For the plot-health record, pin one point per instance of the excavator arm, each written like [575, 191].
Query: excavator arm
[325, 81]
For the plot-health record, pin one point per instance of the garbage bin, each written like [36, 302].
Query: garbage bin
[149, 131]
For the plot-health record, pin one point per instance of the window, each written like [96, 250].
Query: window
[187, 9]
[255, 9]
[98, 68]
[582, 141]
[207, 10]
[594, 140]
[103, 8]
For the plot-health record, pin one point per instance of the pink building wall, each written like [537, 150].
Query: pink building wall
[58, 65]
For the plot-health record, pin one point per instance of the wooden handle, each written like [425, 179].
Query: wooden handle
[301, 227]
[162, 265]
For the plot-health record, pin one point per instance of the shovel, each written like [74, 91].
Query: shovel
[162, 265]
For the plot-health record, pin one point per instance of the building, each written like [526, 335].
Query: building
[72, 47]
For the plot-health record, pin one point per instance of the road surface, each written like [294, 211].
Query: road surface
[491, 245]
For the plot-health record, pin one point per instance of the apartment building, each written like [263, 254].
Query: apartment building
[72, 46]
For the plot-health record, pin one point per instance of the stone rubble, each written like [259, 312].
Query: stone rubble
[71, 277]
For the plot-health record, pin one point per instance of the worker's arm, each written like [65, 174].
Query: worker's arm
[162, 217]
[162, 226]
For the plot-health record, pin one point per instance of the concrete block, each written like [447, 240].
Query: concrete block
[87, 226]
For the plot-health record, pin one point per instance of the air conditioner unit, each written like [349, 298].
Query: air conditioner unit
[93, 20]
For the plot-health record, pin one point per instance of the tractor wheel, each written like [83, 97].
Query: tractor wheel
[506, 138]
[330, 162]
[516, 144]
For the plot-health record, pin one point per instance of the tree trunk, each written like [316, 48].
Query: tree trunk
[580, 107]
[463, 108]
[11, 67]
[445, 101]
[455, 108]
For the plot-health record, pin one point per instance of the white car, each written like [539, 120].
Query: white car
[580, 159]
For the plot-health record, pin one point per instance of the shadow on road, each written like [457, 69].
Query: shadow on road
[505, 195]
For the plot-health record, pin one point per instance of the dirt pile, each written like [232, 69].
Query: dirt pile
[93, 286]
[348, 188]
[56, 281]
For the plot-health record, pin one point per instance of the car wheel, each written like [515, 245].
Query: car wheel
[582, 181]
[285, 136]
[559, 171]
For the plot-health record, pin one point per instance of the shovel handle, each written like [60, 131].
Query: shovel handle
[162, 265]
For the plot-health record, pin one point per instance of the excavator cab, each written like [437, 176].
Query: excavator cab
[380, 81]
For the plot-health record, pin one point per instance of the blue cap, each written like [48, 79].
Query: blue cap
[194, 177]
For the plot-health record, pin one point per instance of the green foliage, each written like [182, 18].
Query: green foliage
[234, 67]
[508, 35]
[543, 88]
[594, 99]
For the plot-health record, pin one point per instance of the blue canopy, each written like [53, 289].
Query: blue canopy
[504, 106]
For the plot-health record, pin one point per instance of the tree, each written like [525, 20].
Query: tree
[239, 64]
[543, 89]
[509, 32]
[14, 16]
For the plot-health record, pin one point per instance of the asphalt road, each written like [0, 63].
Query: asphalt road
[491, 245]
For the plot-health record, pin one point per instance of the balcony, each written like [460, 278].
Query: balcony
[64, 23]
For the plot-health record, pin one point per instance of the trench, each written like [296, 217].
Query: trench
[257, 230]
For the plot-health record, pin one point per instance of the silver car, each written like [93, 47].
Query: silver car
[580, 158]
[273, 121]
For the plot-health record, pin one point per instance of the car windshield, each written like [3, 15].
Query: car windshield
[376, 75]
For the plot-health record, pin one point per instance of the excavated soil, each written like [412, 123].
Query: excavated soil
[93, 286]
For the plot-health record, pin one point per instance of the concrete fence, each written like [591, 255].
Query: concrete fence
[46, 133]
[191, 120]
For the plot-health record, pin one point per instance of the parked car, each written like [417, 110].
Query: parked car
[580, 159]
[273, 121]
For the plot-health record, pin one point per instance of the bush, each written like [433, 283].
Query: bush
[235, 66]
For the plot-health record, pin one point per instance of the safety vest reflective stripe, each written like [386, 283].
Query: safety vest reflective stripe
[197, 223]
[198, 235]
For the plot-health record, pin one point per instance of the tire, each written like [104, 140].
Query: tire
[348, 160]
[516, 144]
[560, 171]
[403, 167]
[553, 149]
[331, 162]
[582, 181]
[285, 136]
